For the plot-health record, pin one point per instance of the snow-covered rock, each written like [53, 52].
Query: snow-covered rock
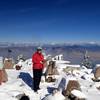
[56, 96]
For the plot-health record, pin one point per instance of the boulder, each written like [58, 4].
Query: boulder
[8, 63]
[97, 73]
[18, 67]
[72, 84]
[3, 76]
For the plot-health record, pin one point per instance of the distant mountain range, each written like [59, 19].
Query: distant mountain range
[73, 52]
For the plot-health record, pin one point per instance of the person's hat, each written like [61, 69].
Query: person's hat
[39, 48]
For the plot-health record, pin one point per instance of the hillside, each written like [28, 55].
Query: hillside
[74, 53]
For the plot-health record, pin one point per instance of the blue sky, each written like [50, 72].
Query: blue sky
[45, 21]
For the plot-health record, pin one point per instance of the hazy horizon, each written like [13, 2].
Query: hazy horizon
[7, 42]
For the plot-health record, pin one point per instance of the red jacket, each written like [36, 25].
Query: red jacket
[37, 58]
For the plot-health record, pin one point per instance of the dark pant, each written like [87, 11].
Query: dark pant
[37, 73]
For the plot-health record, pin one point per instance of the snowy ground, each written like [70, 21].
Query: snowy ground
[16, 86]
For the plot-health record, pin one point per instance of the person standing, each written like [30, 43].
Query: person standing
[38, 65]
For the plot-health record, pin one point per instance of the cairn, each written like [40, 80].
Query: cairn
[50, 72]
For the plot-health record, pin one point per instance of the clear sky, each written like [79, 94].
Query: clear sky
[47, 21]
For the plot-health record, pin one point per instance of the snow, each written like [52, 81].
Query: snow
[16, 86]
[97, 65]
[56, 96]
[75, 66]
[1, 62]
[5, 96]
[78, 94]
[61, 62]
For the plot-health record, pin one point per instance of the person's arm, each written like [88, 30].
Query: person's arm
[43, 60]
